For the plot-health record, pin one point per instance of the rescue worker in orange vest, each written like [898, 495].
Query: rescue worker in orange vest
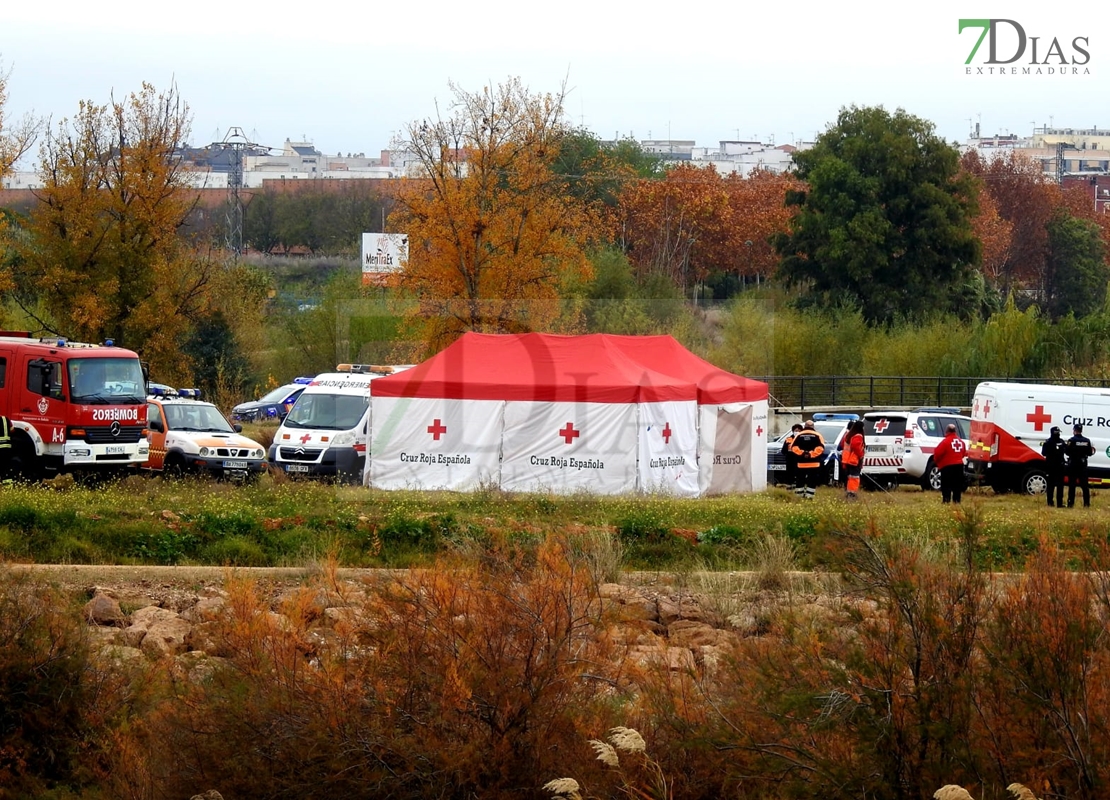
[949, 457]
[808, 447]
[851, 458]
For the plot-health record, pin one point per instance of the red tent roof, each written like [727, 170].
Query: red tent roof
[545, 367]
[715, 385]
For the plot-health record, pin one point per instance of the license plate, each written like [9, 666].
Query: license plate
[776, 467]
[876, 448]
[296, 468]
[235, 465]
[115, 449]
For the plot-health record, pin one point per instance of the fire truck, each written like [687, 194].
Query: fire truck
[72, 406]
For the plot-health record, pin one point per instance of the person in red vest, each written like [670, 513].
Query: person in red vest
[949, 458]
[808, 447]
[851, 458]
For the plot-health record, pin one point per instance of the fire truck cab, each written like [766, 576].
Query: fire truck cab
[72, 406]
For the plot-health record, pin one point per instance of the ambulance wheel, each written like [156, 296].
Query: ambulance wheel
[1034, 482]
[930, 481]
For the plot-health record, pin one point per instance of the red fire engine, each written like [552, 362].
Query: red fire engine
[72, 406]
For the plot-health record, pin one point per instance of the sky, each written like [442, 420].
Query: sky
[348, 77]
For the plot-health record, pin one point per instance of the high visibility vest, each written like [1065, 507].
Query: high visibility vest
[848, 456]
[5, 434]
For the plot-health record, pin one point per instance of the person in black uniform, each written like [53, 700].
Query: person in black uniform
[1079, 449]
[789, 457]
[808, 447]
[1054, 450]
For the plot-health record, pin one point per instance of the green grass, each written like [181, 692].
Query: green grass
[281, 523]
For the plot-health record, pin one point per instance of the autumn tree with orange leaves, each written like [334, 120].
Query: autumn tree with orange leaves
[103, 255]
[695, 221]
[496, 239]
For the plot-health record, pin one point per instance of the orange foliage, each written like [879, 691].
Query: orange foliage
[495, 238]
[695, 221]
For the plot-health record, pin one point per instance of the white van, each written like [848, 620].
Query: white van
[325, 432]
[1010, 422]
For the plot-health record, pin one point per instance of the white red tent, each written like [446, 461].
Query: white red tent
[540, 412]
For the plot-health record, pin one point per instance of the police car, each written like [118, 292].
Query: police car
[272, 406]
[188, 435]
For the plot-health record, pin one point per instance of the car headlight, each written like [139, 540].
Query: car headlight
[259, 453]
[343, 439]
[204, 451]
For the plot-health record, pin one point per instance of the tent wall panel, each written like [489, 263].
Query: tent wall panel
[668, 439]
[569, 447]
[421, 443]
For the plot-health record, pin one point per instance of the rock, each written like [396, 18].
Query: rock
[206, 609]
[675, 659]
[141, 621]
[692, 634]
[211, 794]
[104, 610]
[165, 638]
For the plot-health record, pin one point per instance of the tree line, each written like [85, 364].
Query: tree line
[519, 221]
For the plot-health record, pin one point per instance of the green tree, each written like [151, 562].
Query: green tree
[596, 170]
[885, 220]
[1076, 271]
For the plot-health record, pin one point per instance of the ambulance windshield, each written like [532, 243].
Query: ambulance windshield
[106, 381]
[335, 412]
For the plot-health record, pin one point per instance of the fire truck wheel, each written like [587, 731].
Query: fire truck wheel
[24, 465]
[1034, 482]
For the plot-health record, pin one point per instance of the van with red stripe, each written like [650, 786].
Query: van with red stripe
[1010, 422]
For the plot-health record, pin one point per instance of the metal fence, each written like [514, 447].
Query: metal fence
[860, 391]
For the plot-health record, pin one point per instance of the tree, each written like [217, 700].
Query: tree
[103, 252]
[695, 222]
[495, 236]
[1076, 272]
[15, 140]
[885, 220]
[596, 171]
[1023, 199]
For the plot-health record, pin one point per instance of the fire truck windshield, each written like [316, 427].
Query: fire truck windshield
[106, 381]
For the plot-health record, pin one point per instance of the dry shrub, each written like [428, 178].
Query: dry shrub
[462, 679]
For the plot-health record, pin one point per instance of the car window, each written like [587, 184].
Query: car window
[930, 426]
[963, 426]
[884, 426]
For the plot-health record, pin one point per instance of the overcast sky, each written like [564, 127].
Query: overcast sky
[346, 76]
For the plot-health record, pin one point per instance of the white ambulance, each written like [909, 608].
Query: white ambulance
[1010, 422]
[325, 432]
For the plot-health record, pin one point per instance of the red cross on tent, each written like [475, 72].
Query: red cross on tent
[667, 433]
[881, 425]
[1038, 418]
[569, 433]
[306, 437]
[437, 429]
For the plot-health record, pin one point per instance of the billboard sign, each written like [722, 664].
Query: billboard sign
[383, 254]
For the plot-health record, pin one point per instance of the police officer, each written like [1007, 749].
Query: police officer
[808, 447]
[1079, 449]
[1054, 450]
[788, 456]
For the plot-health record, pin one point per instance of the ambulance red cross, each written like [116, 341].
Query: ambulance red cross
[1010, 422]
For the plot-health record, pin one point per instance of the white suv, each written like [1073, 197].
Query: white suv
[900, 444]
